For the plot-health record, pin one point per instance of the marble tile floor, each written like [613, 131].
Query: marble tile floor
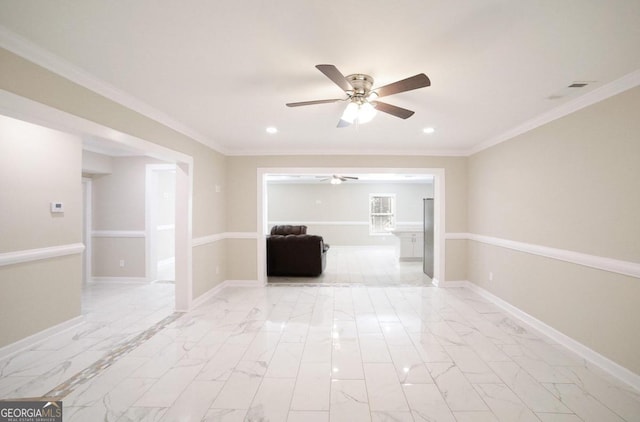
[367, 266]
[316, 353]
[114, 316]
[333, 353]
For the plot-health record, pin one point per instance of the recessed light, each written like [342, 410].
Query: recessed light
[272, 130]
[428, 130]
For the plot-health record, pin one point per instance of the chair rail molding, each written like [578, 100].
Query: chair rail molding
[27, 255]
[631, 269]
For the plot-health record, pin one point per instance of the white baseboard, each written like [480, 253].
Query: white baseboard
[604, 363]
[120, 279]
[208, 295]
[243, 283]
[453, 283]
[28, 342]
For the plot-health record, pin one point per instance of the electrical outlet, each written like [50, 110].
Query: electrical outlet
[217, 269]
[122, 263]
[490, 275]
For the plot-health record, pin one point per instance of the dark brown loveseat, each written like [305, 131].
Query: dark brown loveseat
[291, 252]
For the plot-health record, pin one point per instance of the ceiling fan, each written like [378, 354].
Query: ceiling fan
[337, 179]
[362, 98]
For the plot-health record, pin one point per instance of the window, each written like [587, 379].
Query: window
[382, 210]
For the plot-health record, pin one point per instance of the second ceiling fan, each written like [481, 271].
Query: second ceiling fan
[362, 97]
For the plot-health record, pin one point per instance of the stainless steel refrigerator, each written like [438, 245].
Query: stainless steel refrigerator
[427, 260]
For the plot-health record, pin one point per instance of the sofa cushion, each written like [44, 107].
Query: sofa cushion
[288, 229]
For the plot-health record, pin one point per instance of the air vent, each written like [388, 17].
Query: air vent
[570, 90]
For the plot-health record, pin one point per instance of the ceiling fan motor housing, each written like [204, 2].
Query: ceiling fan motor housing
[362, 85]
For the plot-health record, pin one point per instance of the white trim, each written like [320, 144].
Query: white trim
[439, 212]
[37, 338]
[150, 216]
[165, 227]
[631, 269]
[118, 233]
[580, 349]
[28, 255]
[87, 237]
[205, 240]
[30, 51]
[626, 82]
[243, 283]
[208, 295]
[119, 279]
[453, 283]
[456, 236]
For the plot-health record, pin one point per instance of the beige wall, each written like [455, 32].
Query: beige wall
[242, 194]
[95, 163]
[571, 184]
[38, 166]
[347, 202]
[28, 80]
[118, 204]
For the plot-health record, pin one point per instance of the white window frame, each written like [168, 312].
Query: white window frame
[392, 214]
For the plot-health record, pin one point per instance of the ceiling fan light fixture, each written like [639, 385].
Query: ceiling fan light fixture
[350, 113]
[362, 113]
[335, 180]
[366, 113]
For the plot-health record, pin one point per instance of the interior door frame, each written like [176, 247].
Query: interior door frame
[151, 238]
[438, 195]
[87, 229]
[25, 109]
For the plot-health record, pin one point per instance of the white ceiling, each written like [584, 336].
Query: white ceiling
[222, 71]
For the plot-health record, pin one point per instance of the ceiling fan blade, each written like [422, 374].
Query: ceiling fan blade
[348, 177]
[343, 123]
[414, 82]
[306, 103]
[400, 112]
[332, 72]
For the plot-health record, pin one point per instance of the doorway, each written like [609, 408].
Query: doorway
[86, 229]
[21, 108]
[438, 195]
[160, 208]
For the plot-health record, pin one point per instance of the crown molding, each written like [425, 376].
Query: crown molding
[400, 153]
[622, 84]
[30, 51]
